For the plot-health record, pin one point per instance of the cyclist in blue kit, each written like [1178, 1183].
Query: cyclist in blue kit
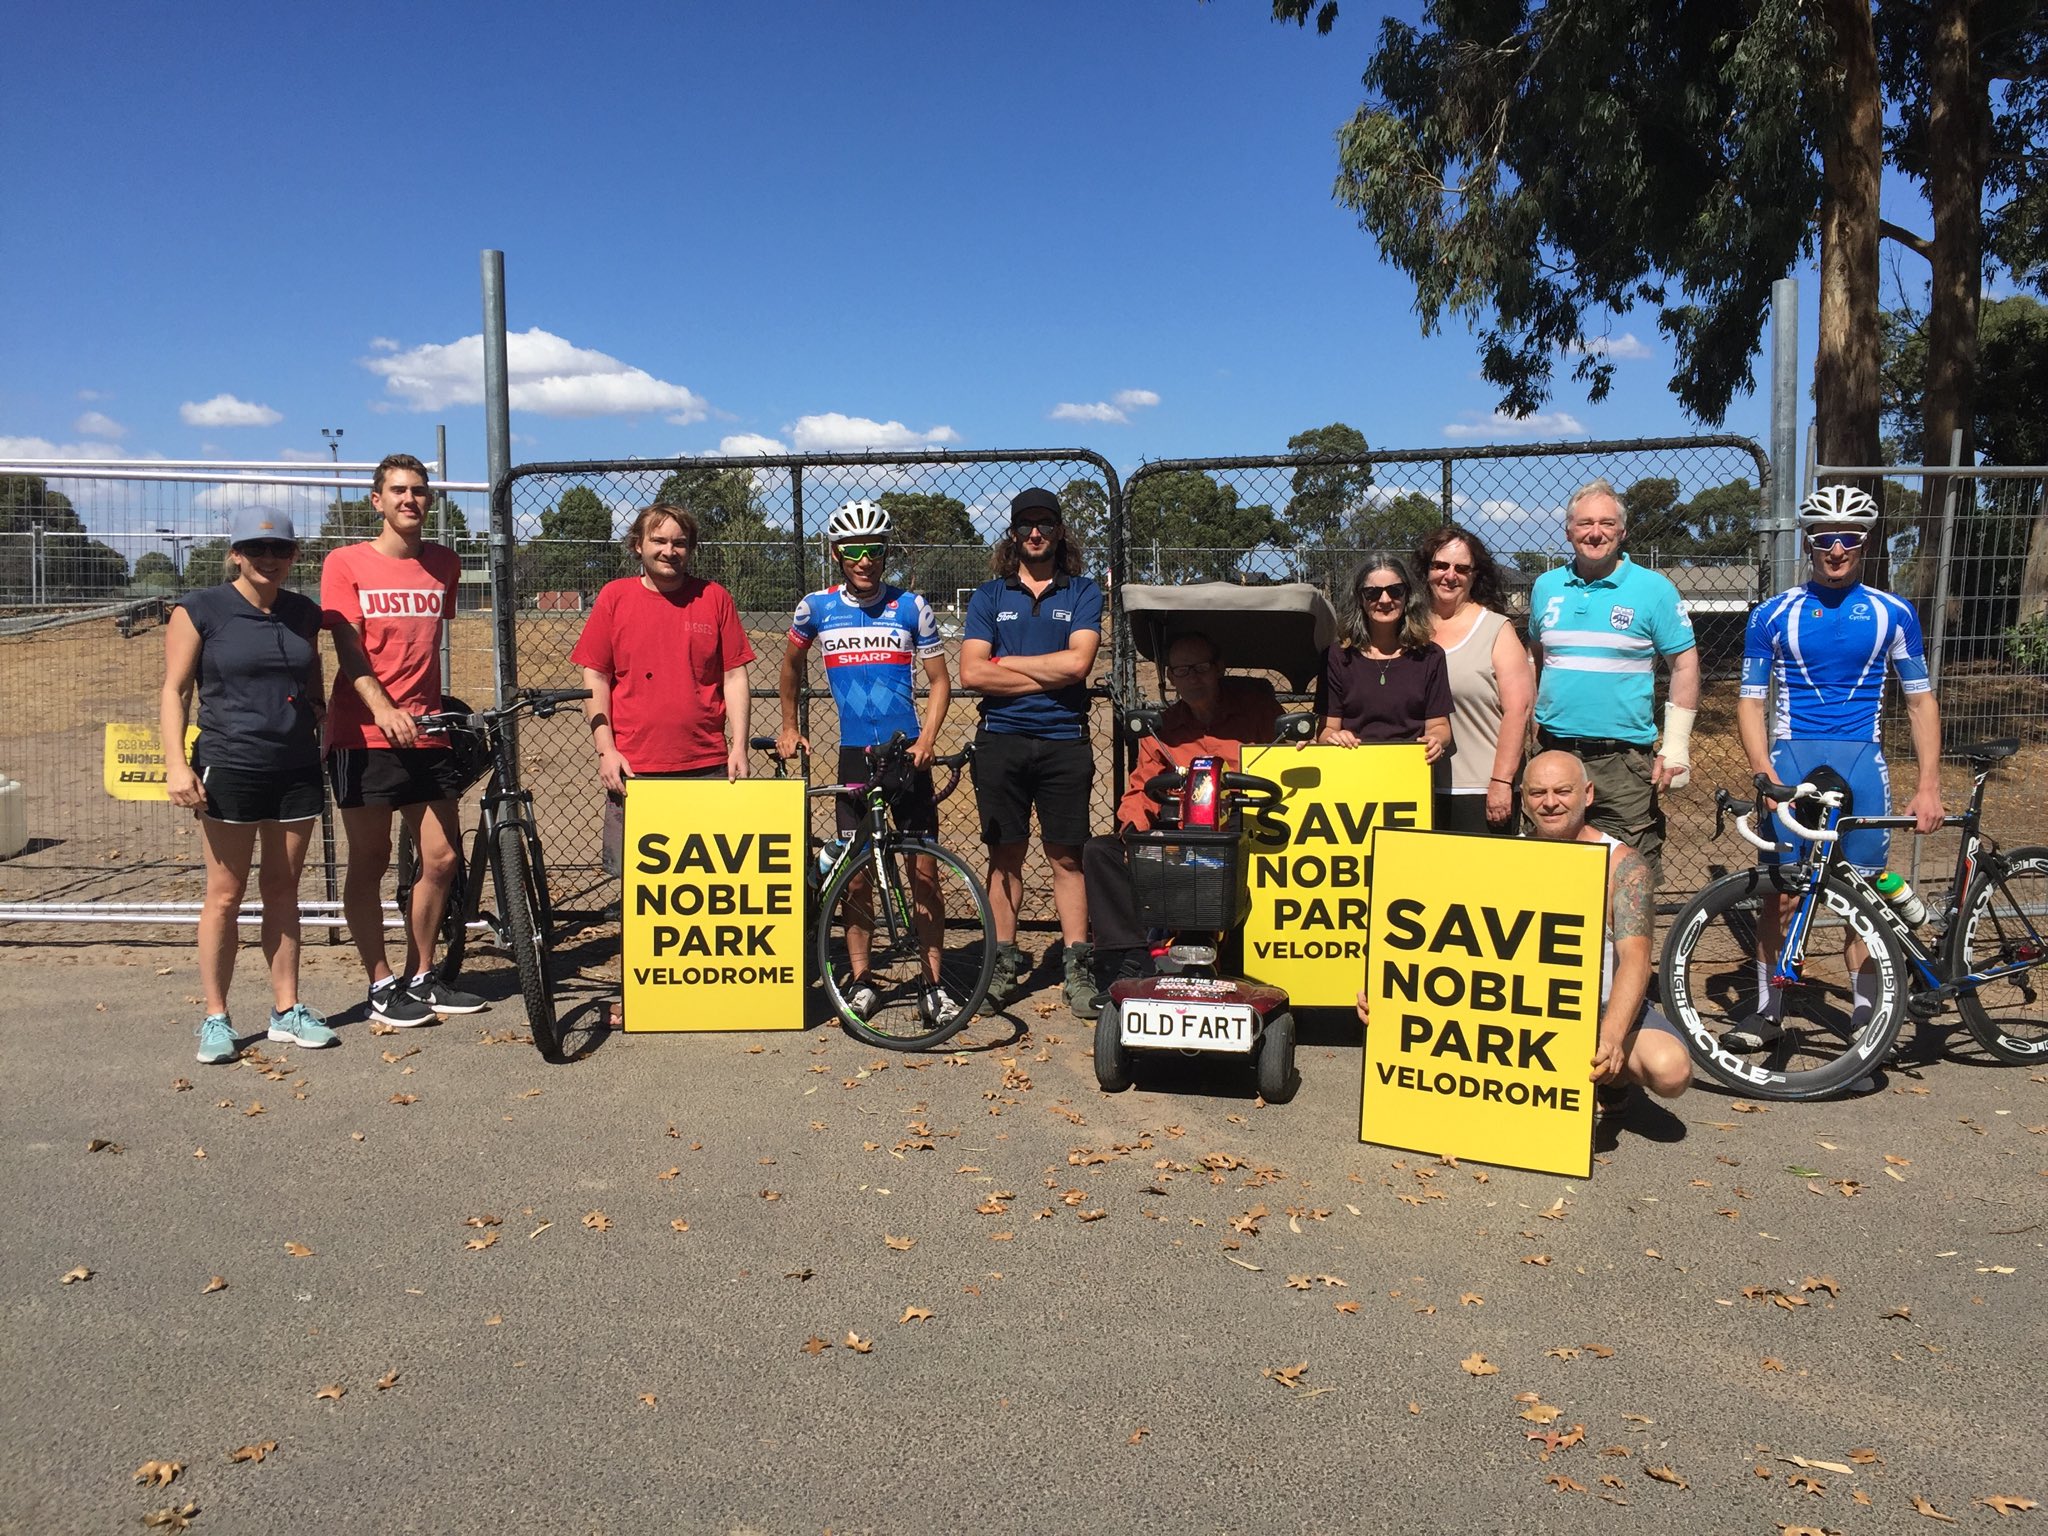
[1826, 645]
[873, 637]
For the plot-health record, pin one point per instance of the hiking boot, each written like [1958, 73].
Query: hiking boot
[300, 1025]
[1131, 964]
[436, 994]
[861, 998]
[216, 1039]
[1753, 1034]
[1005, 981]
[391, 1003]
[1079, 964]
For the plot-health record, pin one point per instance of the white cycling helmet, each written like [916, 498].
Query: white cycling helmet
[1839, 504]
[858, 520]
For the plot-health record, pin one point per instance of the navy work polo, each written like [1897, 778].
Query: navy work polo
[1014, 623]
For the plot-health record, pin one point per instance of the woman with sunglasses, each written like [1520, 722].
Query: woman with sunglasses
[1493, 688]
[1385, 680]
[253, 649]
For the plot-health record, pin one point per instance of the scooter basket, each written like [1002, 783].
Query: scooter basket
[1188, 879]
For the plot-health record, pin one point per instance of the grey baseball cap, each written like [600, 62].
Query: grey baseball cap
[255, 523]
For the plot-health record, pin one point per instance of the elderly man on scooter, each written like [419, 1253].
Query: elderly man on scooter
[1214, 716]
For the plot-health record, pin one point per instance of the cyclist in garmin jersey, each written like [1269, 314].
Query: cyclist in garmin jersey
[1826, 645]
[872, 635]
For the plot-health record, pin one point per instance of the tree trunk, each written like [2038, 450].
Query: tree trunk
[1958, 155]
[1845, 370]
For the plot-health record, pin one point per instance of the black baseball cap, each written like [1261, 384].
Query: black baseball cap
[1037, 499]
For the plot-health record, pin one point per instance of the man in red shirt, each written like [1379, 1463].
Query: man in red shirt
[385, 602]
[1214, 717]
[665, 660]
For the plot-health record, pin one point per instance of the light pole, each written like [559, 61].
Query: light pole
[177, 550]
[333, 436]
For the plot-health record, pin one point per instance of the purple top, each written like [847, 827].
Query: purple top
[1384, 701]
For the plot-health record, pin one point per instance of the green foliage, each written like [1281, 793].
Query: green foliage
[576, 550]
[934, 546]
[1198, 528]
[73, 565]
[2026, 644]
[154, 567]
[1084, 506]
[2012, 380]
[716, 496]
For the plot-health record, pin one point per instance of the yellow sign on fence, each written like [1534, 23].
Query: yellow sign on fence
[1306, 929]
[1484, 991]
[132, 762]
[714, 904]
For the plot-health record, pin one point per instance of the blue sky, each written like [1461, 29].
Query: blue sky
[812, 225]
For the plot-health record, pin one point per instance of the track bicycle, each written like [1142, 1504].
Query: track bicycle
[869, 891]
[507, 841]
[1988, 955]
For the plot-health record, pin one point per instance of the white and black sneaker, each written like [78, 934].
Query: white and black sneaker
[432, 992]
[940, 1006]
[861, 998]
[1753, 1034]
[394, 1005]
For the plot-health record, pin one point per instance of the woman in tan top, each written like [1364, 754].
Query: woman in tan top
[1493, 687]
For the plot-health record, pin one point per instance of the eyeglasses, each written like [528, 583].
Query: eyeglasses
[859, 552]
[1191, 669]
[1439, 566]
[1398, 591]
[1045, 525]
[1837, 540]
[269, 549]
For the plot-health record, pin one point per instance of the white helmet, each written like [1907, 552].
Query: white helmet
[1839, 504]
[858, 520]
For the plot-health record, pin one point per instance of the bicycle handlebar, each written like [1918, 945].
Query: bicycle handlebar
[540, 702]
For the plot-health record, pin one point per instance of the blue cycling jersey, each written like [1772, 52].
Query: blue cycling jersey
[868, 657]
[1827, 648]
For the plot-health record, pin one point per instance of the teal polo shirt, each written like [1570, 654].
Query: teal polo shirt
[1601, 640]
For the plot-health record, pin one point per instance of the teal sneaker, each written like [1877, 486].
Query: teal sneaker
[300, 1025]
[217, 1043]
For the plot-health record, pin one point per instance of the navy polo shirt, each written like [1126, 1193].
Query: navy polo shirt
[1014, 623]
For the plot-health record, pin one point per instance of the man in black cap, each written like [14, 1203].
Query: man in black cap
[1031, 636]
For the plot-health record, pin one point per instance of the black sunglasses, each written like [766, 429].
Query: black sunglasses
[269, 549]
[1024, 525]
[1397, 590]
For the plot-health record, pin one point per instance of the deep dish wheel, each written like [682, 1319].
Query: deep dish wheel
[1277, 1081]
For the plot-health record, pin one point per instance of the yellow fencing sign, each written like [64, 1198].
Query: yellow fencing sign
[132, 762]
[714, 904]
[1484, 991]
[1306, 928]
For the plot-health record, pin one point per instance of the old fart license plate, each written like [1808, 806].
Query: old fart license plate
[1193, 1025]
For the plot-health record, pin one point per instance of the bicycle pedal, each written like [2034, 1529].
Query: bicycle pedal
[1923, 1007]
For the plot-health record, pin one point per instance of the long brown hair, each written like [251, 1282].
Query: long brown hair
[1005, 559]
[1356, 634]
[1488, 590]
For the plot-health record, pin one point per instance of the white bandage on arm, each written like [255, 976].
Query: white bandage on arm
[1676, 749]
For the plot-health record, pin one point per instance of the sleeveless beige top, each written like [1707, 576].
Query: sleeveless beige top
[1475, 705]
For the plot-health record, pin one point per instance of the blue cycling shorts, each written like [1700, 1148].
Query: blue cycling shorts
[1862, 764]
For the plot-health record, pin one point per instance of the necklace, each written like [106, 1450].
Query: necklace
[1384, 661]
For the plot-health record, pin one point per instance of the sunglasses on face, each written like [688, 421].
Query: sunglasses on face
[1045, 525]
[858, 552]
[269, 549]
[1835, 541]
[1191, 669]
[1440, 566]
[1397, 590]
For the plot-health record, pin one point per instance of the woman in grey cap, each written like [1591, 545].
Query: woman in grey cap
[253, 649]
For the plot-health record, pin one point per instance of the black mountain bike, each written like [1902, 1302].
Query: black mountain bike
[507, 841]
[1988, 955]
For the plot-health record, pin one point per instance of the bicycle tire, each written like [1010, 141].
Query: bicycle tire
[454, 925]
[2003, 919]
[899, 1021]
[520, 912]
[1709, 981]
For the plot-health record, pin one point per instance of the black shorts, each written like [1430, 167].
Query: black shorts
[1015, 774]
[241, 797]
[393, 776]
[915, 810]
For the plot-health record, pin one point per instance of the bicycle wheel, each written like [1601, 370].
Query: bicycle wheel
[2004, 921]
[873, 893]
[519, 910]
[1825, 1042]
[454, 927]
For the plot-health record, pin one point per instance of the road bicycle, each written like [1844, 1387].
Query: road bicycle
[507, 841]
[930, 938]
[1987, 955]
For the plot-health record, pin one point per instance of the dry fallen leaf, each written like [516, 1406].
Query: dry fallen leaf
[1285, 1375]
[679, 1225]
[1139, 1434]
[1665, 1474]
[597, 1221]
[74, 1274]
[1541, 1413]
[2004, 1503]
[298, 1250]
[1348, 1308]
[857, 1344]
[1564, 1484]
[1476, 1364]
[478, 1244]
[333, 1392]
[171, 1519]
[914, 1315]
[217, 1283]
[1471, 1299]
[815, 1345]
[254, 1453]
[648, 1398]
[403, 1098]
[1921, 1506]
[158, 1474]
[900, 1244]
[388, 1380]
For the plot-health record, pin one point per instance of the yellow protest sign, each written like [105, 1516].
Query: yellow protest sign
[132, 761]
[1484, 993]
[713, 913]
[1306, 928]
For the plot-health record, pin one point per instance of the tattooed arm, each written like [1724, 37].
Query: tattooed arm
[1629, 922]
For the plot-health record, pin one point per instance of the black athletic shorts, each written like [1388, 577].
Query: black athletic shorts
[394, 776]
[915, 810]
[1013, 774]
[241, 797]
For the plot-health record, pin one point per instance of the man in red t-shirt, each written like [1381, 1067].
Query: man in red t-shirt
[385, 602]
[665, 660]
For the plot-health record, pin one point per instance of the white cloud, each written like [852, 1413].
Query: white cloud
[1115, 411]
[1543, 424]
[227, 411]
[832, 432]
[97, 424]
[548, 376]
[304, 456]
[91, 395]
[1626, 346]
[383, 344]
[749, 442]
[13, 448]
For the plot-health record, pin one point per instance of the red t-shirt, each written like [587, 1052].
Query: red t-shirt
[398, 606]
[666, 654]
